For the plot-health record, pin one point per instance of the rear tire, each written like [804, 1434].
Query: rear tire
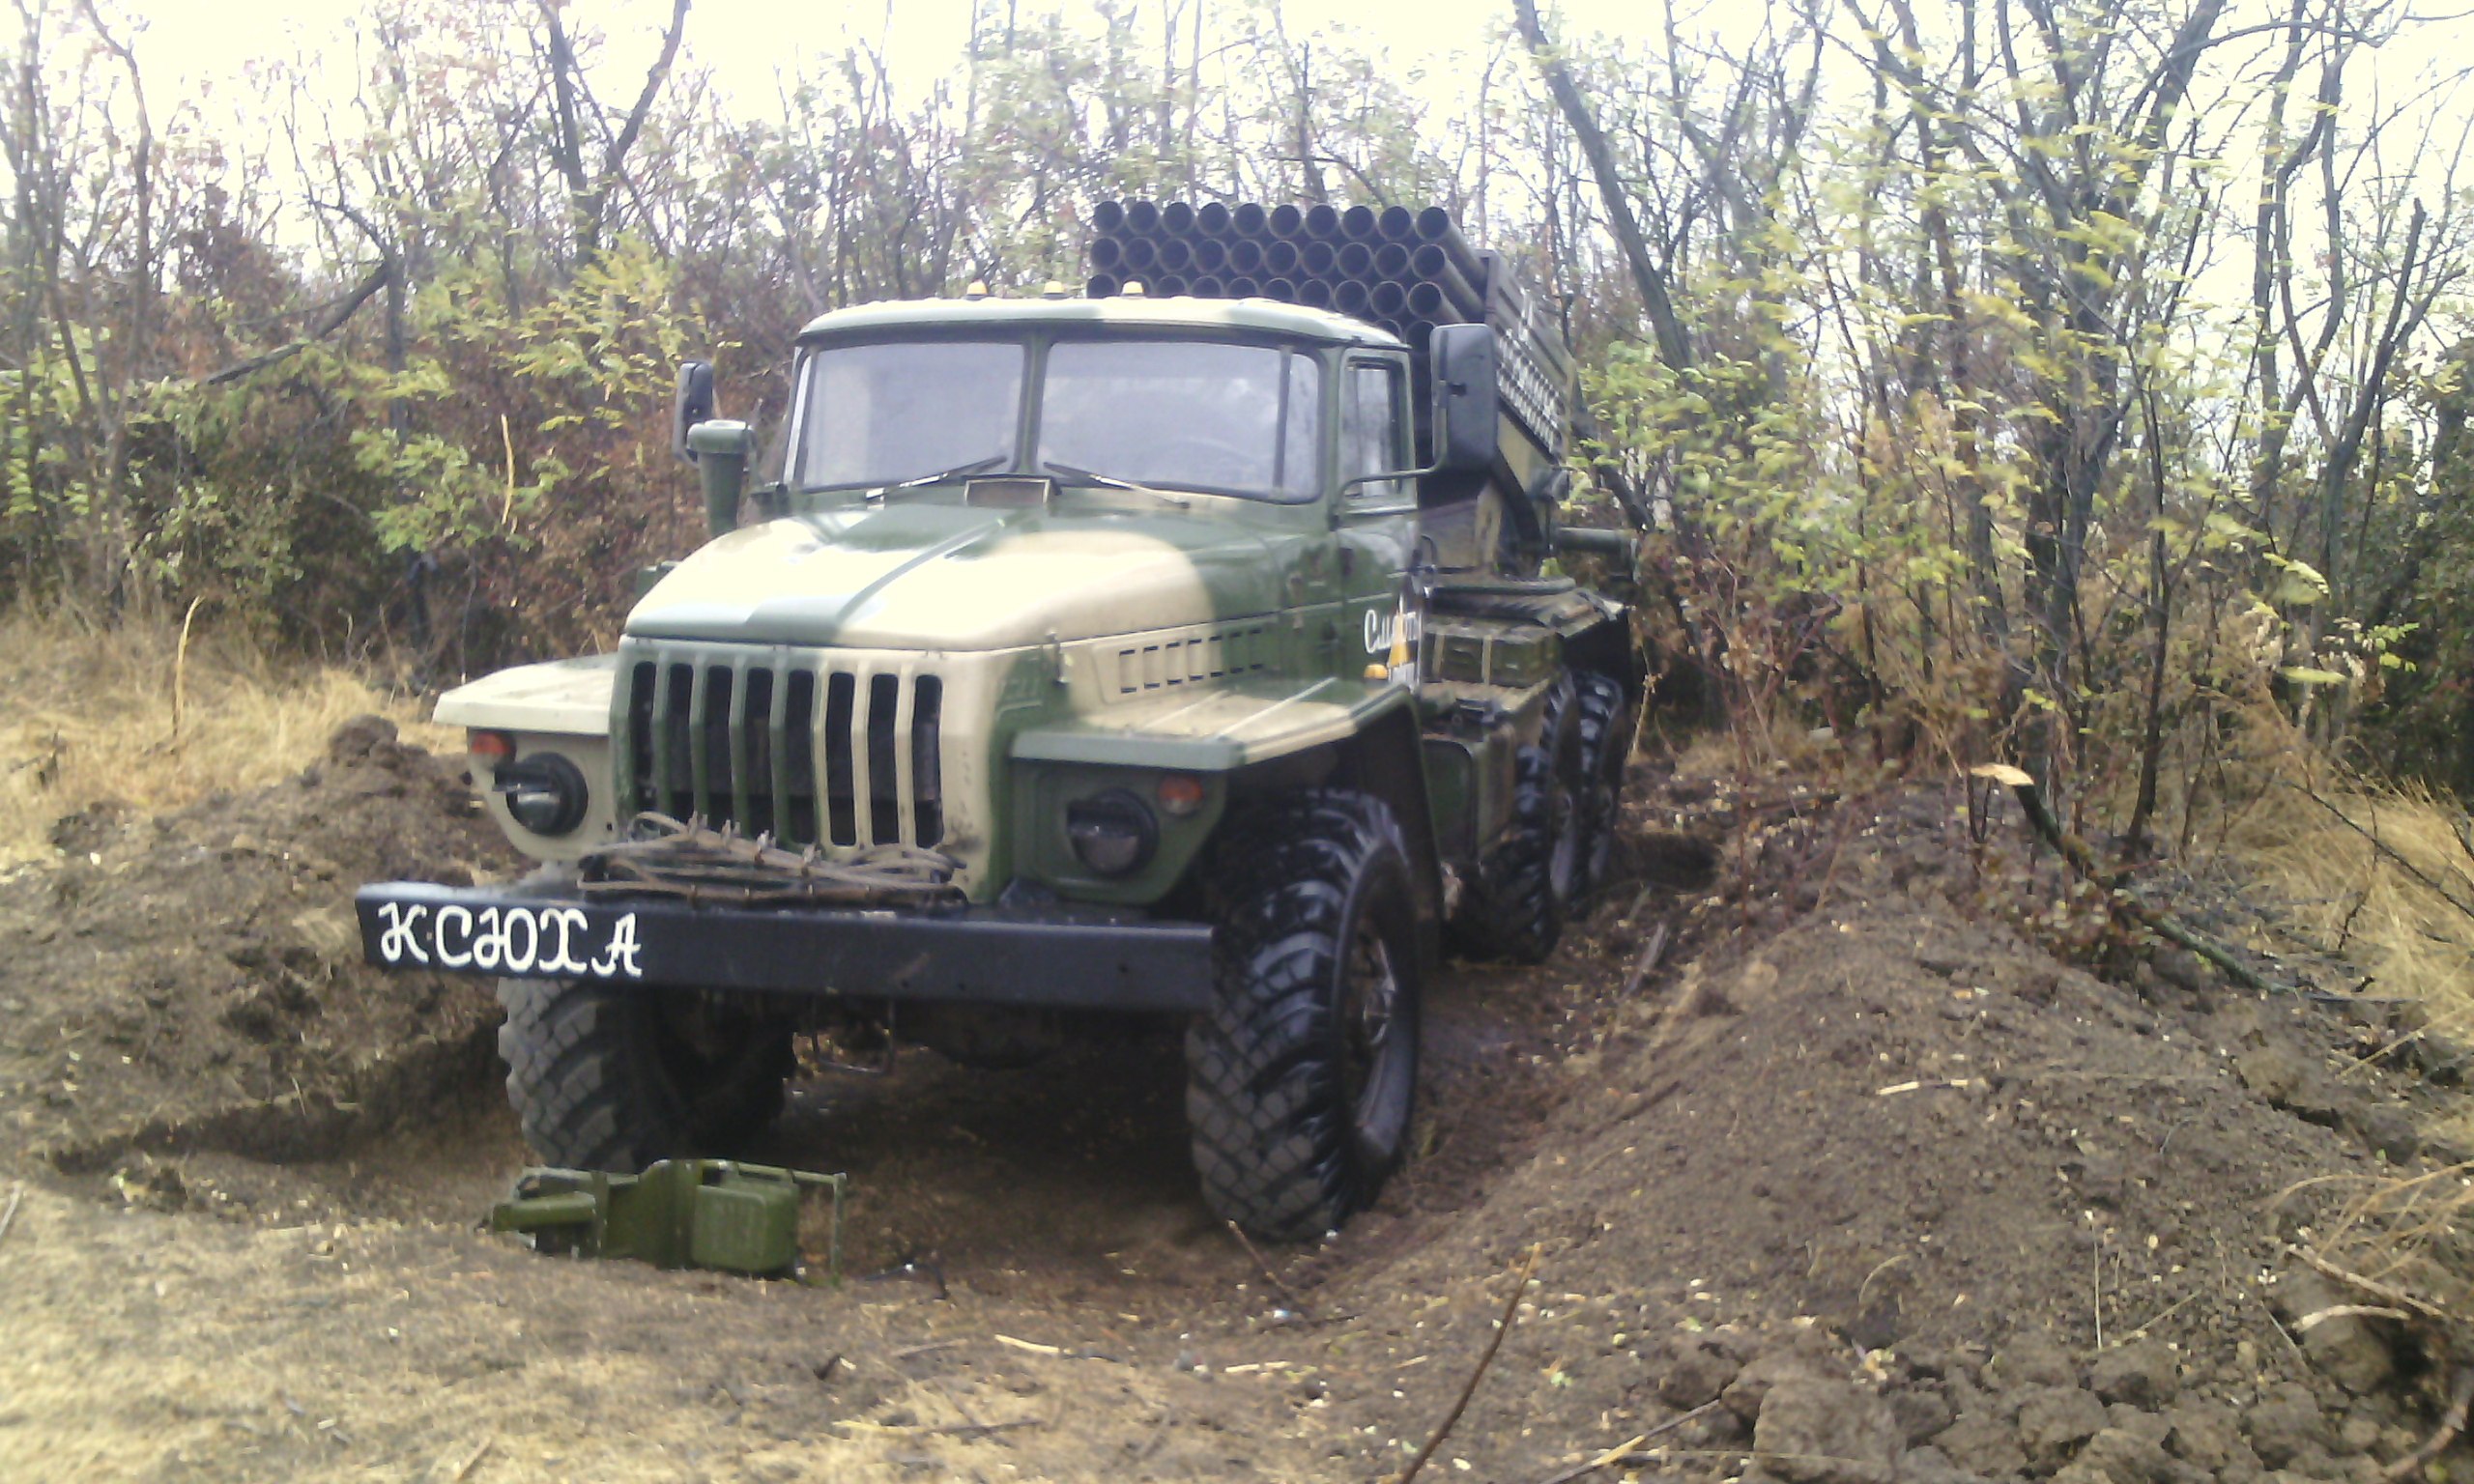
[610, 1078]
[1514, 904]
[1604, 716]
[1302, 1074]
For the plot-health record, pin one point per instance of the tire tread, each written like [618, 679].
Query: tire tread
[583, 1079]
[1271, 1139]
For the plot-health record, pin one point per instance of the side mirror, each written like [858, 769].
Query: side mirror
[721, 449]
[1465, 413]
[690, 405]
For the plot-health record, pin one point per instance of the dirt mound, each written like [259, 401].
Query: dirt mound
[194, 980]
[1893, 1189]
[1864, 1186]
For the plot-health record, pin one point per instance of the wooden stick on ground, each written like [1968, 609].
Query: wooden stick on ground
[2385, 1293]
[985, 1429]
[1651, 952]
[2461, 1397]
[472, 1460]
[1288, 1296]
[930, 1348]
[16, 1194]
[2314, 1319]
[1159, 1431]
[2074, 851]
[1503, 1326]
[1626, 1455]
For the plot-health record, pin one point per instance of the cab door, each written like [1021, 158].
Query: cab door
[1376, 522]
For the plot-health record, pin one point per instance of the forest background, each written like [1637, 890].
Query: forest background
[2065, 382]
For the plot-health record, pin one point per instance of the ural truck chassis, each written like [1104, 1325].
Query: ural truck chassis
[1183, 648]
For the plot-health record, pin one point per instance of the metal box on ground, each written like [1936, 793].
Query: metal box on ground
[714, 1214]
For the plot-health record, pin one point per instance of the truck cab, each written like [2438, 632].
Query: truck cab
[1020, 553]
[1067, 655]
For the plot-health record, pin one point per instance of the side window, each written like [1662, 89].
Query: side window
[1371, 429]
[1302, 437]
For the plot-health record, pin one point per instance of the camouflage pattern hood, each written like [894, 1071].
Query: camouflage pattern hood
[951, 577]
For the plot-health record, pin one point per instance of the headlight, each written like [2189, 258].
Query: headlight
[1113, 833]
[545, 792]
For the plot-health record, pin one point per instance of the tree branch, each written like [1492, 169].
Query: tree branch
[2076, 852]
[1675, 348]
[654, 78]
[327, 323]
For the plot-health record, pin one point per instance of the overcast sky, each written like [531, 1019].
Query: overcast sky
[744, 41]
[192, 46]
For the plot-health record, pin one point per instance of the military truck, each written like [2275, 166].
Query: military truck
[1150, 650]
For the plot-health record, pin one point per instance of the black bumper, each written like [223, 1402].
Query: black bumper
[975, 955]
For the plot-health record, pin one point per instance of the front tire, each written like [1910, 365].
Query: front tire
[610, 1078]
[1302, 1074]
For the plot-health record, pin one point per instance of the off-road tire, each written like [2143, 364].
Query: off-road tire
[1604, 716]
[608, 1078]
[1513, 905]
[1302, 1074]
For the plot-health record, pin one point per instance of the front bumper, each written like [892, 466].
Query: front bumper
[973, 954]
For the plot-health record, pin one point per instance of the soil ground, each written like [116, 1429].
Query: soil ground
[1860, 1182]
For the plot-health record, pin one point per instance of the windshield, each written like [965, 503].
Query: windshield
[1187, 414]
[1183, 413]
[881, 414]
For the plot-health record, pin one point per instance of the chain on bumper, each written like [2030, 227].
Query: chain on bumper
[690, 860]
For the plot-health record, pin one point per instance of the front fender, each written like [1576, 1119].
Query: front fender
[1220, 731]
[1212, 736]
[563, 707]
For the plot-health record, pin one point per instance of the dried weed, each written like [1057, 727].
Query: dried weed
[2381, 874]
[89, 711]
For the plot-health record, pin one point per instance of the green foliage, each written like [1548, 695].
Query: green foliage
[1974, 448]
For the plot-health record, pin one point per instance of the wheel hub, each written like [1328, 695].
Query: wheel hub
[1563, 868]
[1369, 998]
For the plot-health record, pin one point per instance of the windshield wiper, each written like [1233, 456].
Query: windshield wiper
[974, 467]
[1094, 477]
[1110, 481]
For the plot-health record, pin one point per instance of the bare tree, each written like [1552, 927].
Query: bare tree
[1649, 278]
[589, 154]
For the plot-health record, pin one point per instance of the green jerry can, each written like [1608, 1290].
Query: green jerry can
[714, 1214]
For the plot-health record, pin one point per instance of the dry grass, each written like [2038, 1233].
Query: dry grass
[2383, 875]
[87, 717]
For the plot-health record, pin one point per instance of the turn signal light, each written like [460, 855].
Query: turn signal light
[496, 747]
[1180, 794]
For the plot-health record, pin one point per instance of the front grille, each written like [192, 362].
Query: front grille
[811, 756]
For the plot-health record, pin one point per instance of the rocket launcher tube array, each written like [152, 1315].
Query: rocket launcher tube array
[1403, 268]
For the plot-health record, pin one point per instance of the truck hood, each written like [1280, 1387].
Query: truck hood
[921, 576]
